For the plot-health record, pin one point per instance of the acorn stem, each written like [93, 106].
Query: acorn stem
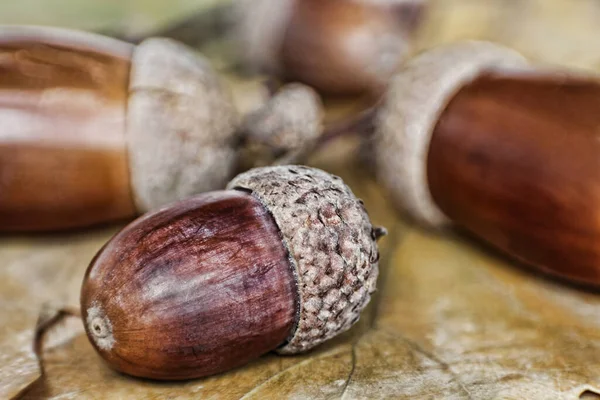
[289, 126]
[379, 232]
[362, 124]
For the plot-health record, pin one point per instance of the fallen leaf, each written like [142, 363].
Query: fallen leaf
[18, 365]
[36, 271]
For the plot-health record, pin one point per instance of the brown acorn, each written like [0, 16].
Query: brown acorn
[338, 47]
[472, 135]
[93, 129]
[283, 260]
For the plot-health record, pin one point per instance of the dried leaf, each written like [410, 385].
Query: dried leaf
[456, 322]
[18, 365]
[35, 271]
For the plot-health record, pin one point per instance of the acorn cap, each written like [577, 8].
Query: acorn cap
[331, 243]
[417, 96]
[291, 119]
[180, 127]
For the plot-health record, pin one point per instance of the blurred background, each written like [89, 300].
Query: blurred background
[555, 31]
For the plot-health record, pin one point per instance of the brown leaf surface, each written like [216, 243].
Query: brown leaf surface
[35, 271]
[451, 319]
[18, 364]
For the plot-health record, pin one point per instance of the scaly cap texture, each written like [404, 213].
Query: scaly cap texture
[415, 100]
[331, 242]
[181, 125]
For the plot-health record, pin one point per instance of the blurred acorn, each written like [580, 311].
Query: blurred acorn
[338, 47]
[472, 135]
[93, 129]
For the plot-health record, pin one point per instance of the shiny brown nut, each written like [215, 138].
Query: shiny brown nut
[284, 260]
[93, 129]
[338, 47]
[473, 136]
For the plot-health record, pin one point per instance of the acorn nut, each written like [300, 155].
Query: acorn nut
[93, 129]
[284, 259]
[338, 47]
[472, 135]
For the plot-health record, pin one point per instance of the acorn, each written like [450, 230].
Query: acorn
[472, 135]
[284, 259]
[338, 47]
[93, 129]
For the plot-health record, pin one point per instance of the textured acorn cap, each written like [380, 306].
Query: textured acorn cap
[181, 125]
[417, 96]
[331, 242]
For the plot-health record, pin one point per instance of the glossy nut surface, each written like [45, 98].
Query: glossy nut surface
[515, 159]
[347, 47]
[63, 158]
[193, 289]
